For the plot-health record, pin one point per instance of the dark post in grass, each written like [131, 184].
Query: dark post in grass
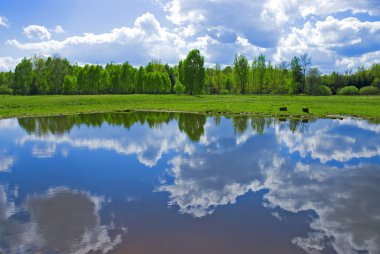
[306, 110]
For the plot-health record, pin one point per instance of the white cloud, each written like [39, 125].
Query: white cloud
[205, 16]
[8, 63]
[283, 11]
[3, 22]
[326, 7]
[139, 44]
[37, 32]
[222, 28]
[333, 42]
[59, 30]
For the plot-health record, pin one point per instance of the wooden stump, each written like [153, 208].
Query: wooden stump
[306, 110]
[283, 109]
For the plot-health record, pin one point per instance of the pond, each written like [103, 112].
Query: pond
[187, 183]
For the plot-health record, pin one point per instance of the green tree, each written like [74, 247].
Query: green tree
[57, 69]
[40, 82]
[178, 87]
[241, 70]
[376, 82]
[139, 79]
[69, 85]
[313, 81]
[261, 68]
[305, 62]
[297, 77]
[194, 72]
[23, 77]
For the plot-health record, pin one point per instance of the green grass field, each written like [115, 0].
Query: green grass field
[361, 106]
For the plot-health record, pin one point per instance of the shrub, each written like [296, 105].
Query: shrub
[369, 90]
[376, 82]
[178, 88]
[5, 90]
[224, 91]
[323, 91]
[348, 90]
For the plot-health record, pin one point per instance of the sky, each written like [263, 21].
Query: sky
[337, 34]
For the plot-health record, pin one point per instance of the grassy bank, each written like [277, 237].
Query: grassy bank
[361, 106]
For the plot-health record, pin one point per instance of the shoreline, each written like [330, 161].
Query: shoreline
[332, 107]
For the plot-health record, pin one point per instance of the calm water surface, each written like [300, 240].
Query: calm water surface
[184, 183]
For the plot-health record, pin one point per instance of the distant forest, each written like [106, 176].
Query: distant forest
[55, 75]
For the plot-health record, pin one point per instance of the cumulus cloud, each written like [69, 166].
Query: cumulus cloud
[332, 41]
[220, 29]
[8, 63]
[147, 39]
[283, 11]
[3, 22]
[59, 30]
[37, 32]
[206, 17]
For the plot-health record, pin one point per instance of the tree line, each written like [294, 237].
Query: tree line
[55, 75]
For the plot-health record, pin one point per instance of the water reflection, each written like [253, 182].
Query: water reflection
[59, 221]
[315, 184]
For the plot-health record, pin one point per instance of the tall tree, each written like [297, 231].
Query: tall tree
[241, 70]
[297, 77]
[313, 81]
[261, 68]
[23, 77]
[194, 72]
[218, 78]
[139, 79]
[305, 62]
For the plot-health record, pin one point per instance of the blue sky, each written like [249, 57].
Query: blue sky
[337, 34]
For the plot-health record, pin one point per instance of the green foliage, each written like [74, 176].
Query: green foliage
[241, 70]
[369, 90]
[376, 82]
[179, 88]
[313, 81]
[194, 72]
[69, 85]
[39, 76]
[224, 91]
[297, 76]
[348, 90]
[140, 79]
[5, 90]
[23, 77]
[323, 91]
